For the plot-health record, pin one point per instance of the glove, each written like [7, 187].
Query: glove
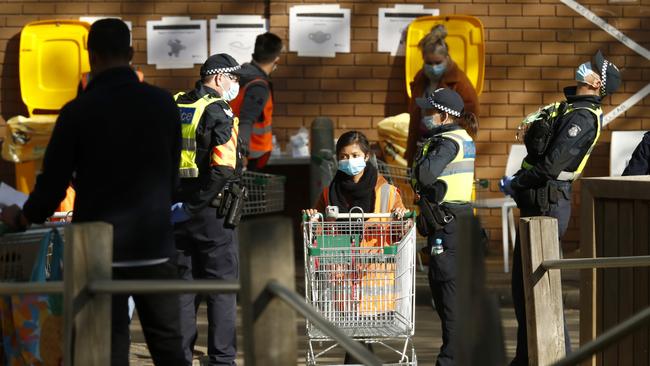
[179, 214]
[505, 186]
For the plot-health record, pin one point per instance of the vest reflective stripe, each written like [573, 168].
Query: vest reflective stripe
[226, 154]
[571, 176]
[458, 175]
[261, 141]
[385, 198]
[190, 117]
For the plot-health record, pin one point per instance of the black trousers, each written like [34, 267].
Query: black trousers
[208, 250]
[442, 281]
[562, 212]
[159, 316]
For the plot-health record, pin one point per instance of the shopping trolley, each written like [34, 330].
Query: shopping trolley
[265, 193]
[360, 275]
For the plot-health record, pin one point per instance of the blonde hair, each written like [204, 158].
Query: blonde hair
[435, 41]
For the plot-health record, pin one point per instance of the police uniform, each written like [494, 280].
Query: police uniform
[542, 187]
[207, 247]
[640, 161]
[443, 172]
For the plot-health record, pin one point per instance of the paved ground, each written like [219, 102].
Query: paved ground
[427, 338]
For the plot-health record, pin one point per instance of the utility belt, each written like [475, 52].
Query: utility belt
[435, 216]
[230, 203]
[542, 198]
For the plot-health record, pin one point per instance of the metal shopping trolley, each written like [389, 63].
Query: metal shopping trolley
[360, 275]
[265, 193]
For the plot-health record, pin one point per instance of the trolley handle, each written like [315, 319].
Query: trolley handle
[334, 214]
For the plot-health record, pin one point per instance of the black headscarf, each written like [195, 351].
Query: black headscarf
[345, 194]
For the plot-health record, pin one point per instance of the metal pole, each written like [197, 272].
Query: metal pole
[162, 286]
[589, 263]
[24, 288]
[298, 303]
[618, 332]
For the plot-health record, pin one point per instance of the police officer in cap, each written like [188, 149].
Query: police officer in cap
[542, 187]
[442, 177]
[207, 246]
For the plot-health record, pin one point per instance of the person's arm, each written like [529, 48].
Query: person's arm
[573, 139]
[440, 154]
[466, 90]
[640, 158]
[257, 94]
[220, 127]
[58, 166]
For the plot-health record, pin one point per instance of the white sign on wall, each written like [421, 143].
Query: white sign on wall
[91, 20]
[176, 42]
[319, 30]
[235, 35]
[391, 33]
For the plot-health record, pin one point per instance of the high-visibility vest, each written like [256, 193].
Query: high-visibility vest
[571, 176]
[261, 141]
[385, 197]
[222, 155]
[458, 175]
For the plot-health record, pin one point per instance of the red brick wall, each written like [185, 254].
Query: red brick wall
[533, 47]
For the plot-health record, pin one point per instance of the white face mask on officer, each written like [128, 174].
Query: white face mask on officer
[232, 91]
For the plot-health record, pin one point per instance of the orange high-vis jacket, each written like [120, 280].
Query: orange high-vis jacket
[261, 141]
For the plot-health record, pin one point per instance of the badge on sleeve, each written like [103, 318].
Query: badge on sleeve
[228, 112]
[574, 131]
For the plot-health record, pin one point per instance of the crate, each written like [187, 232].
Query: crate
[265, 193]
[18, 253]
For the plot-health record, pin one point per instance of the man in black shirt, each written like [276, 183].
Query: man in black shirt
[543, 186]
[640, 160]
[103, 142]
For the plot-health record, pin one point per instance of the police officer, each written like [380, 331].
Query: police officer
[442, 177]
[542, 187]
[254, 105]
[207, 246]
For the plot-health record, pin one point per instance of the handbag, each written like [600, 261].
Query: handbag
[32, 325]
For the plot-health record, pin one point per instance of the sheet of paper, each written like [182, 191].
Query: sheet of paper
[391, 33]
[176, 42]
[10, 196]
[319, 30]
[235, 35]
[91, 20]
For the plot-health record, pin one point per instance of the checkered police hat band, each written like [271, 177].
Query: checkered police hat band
[443, 108]
[223, 70]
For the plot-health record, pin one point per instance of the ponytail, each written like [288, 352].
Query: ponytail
[469, 122]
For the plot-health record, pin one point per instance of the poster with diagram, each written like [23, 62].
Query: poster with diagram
[235, 35]
[176, 42]
[391, 33]
[319, 30]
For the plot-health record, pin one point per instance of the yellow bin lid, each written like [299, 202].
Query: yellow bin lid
[465, 37]
[53, 56]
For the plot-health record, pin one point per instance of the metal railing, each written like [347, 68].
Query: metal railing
[89, 286]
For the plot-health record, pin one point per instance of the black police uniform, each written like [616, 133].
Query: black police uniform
[442, 267]
[640, 160]
[208, 249]
[574, 135]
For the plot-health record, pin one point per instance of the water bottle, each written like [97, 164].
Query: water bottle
[437, 248]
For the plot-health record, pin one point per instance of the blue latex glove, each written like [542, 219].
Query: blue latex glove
[179, 214]
[505, 186]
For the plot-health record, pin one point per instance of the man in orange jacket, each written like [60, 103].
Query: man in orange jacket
[254, 104]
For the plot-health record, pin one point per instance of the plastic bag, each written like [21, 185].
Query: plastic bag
[27, 138]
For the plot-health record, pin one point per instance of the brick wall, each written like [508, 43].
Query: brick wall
[532, 49]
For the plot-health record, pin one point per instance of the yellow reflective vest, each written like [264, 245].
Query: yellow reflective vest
[571, 176]
[458, 175]
[222, 155]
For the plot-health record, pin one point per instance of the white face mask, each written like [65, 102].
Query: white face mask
[232, 92]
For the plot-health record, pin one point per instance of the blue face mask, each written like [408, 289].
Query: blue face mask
[352, 166]
[435, 71]
[429, 122]
[232, 92]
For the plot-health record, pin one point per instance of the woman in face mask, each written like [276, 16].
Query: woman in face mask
[357, 183]
[443, 176]
[439, 71]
